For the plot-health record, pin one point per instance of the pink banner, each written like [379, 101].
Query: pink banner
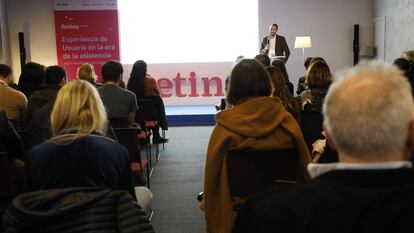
[86, 36]
[189, 83]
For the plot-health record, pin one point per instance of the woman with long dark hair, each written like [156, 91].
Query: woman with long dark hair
[143, 85]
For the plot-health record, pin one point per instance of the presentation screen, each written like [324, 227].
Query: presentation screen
[187, 31]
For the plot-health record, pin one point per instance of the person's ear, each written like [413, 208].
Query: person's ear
[63, 81]
[410, 137]
[9, 79]
[328, 136]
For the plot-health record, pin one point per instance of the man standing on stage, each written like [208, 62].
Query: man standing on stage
[275, 45]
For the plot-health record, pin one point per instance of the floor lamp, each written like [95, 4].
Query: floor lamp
[302, 42]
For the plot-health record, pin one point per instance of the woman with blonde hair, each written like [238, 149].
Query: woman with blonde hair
[87, 72]
[78, 154]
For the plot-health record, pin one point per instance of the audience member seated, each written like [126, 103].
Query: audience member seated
[12, 102]
[280, 90]
[31, 78]
[10, 140]
[371, 189]
[12, 166]
[38, 128]
[87, 72]
[301, 81]
[255, 121]
[142, 84]
[281, 65]
[82, 210]
[78, 155]
[55, 77]
[263, 59]
[119, 103]
[318, 80]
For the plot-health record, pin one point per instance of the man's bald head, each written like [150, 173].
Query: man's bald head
[368, 111]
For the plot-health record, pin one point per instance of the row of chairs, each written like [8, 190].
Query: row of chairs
[148, 118]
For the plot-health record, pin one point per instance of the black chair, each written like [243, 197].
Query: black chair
[128, 137]
[148, 117]
[250, 172]
[311, 126]
[119, 122]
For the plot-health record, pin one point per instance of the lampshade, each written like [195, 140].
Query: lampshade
[303, 42]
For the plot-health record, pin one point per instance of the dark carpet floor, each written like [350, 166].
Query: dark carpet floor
[177, 179]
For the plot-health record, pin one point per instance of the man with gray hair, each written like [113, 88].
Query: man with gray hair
[369, 120]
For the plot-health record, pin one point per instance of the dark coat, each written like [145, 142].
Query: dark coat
[338, 201]
[10, 140]
[91, 160]
[39, 128]
[281, 49]
[82, 210]
[39, 99]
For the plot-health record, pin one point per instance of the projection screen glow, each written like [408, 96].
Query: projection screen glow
[183, 31]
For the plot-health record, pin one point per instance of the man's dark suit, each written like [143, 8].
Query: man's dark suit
[281, 49]
[341, 201]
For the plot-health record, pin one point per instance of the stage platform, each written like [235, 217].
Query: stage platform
[190, 115]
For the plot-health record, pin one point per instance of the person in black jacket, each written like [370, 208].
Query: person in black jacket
[369, 120]
[55, 77]
[10, 140]
[82, 210]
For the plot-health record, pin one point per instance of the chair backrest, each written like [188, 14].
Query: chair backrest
[128, 137]
[148, 109]
[6, 183]
[250, 172]
[311, 126]
[119, 122]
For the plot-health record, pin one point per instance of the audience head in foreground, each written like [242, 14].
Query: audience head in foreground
[377, 126]
[369, 119]
[256, 121]
[248, 79]
[78, 111]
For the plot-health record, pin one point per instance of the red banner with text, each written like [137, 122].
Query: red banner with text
[86, 36]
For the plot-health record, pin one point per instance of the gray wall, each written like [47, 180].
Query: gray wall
[328, 22]
[34, 18]
[399, 26]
